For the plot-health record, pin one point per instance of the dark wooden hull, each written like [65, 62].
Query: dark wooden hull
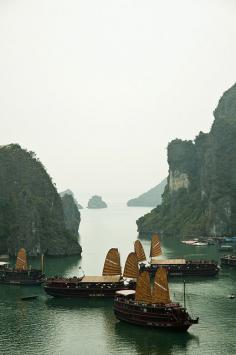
[192, 269]
[161, 317]
[83, 290]
[228, 261]
[15, 277]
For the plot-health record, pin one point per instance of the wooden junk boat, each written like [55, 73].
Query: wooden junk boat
[229, 260]
[21, 274]
[98, 286]
[152, 307]
[174, 267]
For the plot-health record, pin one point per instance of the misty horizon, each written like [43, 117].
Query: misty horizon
[98, 89]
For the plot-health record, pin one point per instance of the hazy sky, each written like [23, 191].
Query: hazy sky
[97, 88]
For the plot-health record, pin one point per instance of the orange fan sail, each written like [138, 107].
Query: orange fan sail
[112, 265]
[21, 260]
[131, 269]
[143, 288]
[138, 248]
[160, 292]
[155, 246]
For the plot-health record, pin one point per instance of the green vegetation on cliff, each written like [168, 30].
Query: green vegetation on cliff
[151, 198]
[200, 196]
[71, 214]
[31, 213]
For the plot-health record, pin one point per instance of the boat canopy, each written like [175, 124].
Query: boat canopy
[112, 265]
[168, 262]
[139, 251]
[125, 293]
[21, 260]
[160, 293]
[143, 288]
[155, 246]
[131, 269]
[102, 279]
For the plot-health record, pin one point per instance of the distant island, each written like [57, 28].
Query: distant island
[200, 196]
[69, 192]
[96, 202]
[151, 198]
[31, 210]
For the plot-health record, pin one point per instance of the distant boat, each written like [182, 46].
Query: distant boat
[176, 267]
[21, 274]
[232, 296]
[225, 247]
[29, 298]
[106, 285]
[229, 260]
[200, 244]
[152, 307]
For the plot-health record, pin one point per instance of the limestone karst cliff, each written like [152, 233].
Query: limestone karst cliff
[31, 213]
[96, 202]
[71, 213]
[69, 192]
[200, 196]
[151, 198]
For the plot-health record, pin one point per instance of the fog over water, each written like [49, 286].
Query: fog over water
[98, 88]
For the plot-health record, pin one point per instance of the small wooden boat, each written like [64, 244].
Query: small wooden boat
[228, 260]
[152, 307]
[29, 298]
[174, 267]
[21, 274]
[231, 296]
[106, 285]
[226, 247]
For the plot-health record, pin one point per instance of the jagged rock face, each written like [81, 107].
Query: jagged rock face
[200, 198]
[69, 192]
[151, 198]
[71, 214]
[31, 214]
[96, 202]
[178, 180]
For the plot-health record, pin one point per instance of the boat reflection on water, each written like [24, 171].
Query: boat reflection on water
[135, 341]
[80, 303]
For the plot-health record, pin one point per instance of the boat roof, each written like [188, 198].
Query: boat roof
[125, 292]
[168, 261]
[104, 279]
[3, 263]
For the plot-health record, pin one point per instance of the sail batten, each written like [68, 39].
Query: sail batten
[112, 265]
[160, 293]
[139, 251]
[155, 246]
[131, 269]
[143, 289]
[21, 260]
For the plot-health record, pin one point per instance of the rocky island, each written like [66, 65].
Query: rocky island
[31, 210]
[200, 195]
[69, 192]
[151, 198]
[96, 202]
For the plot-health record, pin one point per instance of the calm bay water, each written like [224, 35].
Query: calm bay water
[57, 326]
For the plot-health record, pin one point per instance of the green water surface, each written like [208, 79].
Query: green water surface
[88, 326]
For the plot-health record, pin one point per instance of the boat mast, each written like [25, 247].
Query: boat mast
[42, 260]
[184, 296]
